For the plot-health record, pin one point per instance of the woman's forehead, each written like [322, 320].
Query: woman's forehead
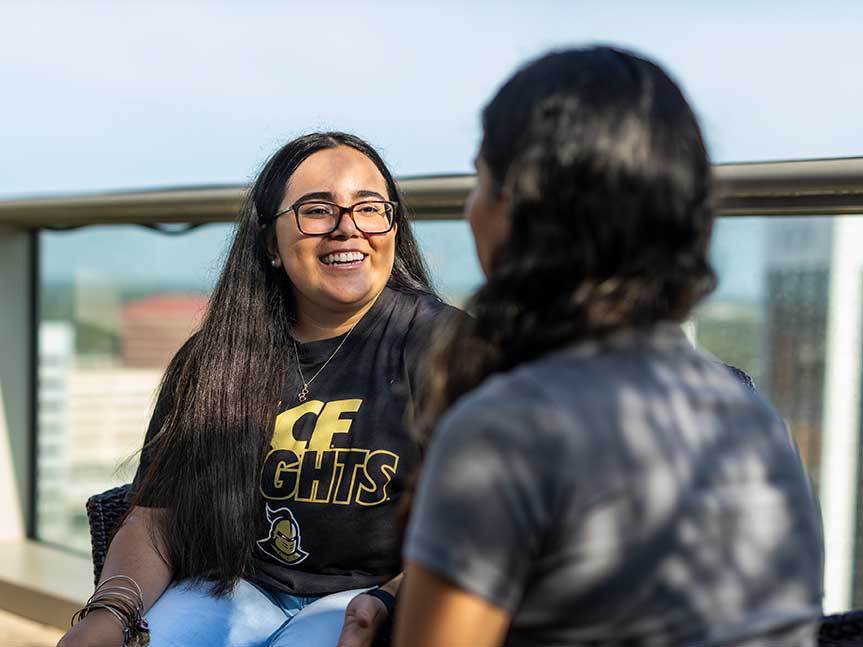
[343, 172]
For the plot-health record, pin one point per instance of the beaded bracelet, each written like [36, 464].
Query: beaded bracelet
[125, 604]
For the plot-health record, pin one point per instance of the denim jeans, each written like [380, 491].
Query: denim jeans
[190, 616]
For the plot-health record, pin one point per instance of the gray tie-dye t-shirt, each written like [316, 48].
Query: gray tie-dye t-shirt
[632, 493]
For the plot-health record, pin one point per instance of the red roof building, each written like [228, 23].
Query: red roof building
[153, 329]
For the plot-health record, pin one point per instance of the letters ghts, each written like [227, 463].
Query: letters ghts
[314, 471]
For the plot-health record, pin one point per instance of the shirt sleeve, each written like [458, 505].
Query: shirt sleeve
[431, 315]
[484, 501]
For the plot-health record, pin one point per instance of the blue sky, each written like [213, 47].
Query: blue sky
[117, 95]
[105, 95]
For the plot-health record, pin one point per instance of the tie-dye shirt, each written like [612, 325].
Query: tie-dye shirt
[631, 492]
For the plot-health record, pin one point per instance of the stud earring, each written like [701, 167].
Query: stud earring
[274, 262]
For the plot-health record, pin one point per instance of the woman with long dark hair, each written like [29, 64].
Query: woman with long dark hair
[265, 499]
[592, 478]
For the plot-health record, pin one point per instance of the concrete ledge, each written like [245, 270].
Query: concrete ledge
[42, 583]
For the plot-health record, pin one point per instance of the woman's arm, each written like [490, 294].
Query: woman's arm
[392, 587]
[132, 553]
[432, 612]
[365, 615]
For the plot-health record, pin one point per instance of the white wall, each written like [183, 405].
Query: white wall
[15, 396]
[841, 424]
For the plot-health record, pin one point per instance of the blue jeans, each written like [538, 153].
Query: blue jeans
[190, 616]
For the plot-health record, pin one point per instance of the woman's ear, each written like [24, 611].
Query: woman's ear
[272, 247]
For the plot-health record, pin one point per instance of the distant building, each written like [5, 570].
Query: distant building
[56, 357]
[798, 288]
[94, 409]
[107, 412]
[814, 328]
[153, 329]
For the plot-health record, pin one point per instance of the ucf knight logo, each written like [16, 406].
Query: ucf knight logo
[283, 542]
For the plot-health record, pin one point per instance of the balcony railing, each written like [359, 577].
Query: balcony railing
[810, 187]
[820, 188]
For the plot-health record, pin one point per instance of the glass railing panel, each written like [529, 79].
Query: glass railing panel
[116, 302]
[788, 310]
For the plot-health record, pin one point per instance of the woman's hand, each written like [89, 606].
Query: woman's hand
[364, 615]
[98, 629]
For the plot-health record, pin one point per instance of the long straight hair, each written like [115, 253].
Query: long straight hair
[222, 388]
[604, 166]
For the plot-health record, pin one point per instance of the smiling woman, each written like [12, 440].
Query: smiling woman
[265, 502]
[337, 265]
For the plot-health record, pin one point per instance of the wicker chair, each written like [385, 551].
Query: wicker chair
[107, 509]
[105, 512]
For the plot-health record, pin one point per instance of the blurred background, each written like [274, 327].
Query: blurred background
[116, 96]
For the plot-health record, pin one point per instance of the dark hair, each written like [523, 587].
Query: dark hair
[224, 385]
[605, 169]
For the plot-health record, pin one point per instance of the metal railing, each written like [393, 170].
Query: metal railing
[826, 187]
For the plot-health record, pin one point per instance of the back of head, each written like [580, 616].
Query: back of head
[602, 165]
[608, 177]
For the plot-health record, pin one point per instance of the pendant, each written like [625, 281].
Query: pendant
[304, 393]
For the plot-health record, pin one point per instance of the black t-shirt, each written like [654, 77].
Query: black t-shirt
[339, 460]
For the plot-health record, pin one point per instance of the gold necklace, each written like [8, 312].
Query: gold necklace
[304, 392]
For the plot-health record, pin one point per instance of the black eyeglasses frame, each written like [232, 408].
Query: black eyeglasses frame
[342, 211]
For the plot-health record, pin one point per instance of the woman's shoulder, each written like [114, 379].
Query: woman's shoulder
[421, 312]
[422, 315]
[427, 305]
[508, 399]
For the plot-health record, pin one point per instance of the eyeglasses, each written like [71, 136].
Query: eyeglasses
[319, 218]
